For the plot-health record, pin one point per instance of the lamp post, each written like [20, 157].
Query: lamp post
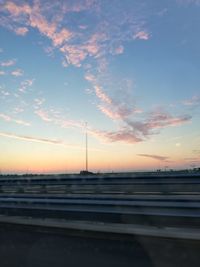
[86, 148]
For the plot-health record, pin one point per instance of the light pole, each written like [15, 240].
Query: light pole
[86, 148]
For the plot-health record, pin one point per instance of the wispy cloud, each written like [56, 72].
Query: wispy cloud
[121, 107]
[157, 157]
[16, 10]
[18, 110]
[10, 119]
[21, 31]
[33, 139]
[8, 63]
[54, 117]
[155, 122]
[102, 95]
[122, 135]
[34, 17]
[48, 141]
[17, 72]
[25, 84]
[137, 131]
[118, 107]
[160, 119]
[194, 101]
[2, 73]
[119, 50]
[38, 102]
[5, 93]
[105, 37]
[142, 35]
[43, 115]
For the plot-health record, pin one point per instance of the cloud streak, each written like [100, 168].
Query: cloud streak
[21, 31]
[17, 72]
[156, 157]
[2, 73]
[24, 85]
[47, 141]
[138, 131]
[8, 63]
[142, 35]
[54, 117]
[194, 101]
[7, 118]
[121, 108]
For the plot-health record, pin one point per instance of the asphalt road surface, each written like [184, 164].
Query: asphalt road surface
[22, 246]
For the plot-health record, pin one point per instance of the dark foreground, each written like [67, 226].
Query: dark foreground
[28, 246]
[141, 220]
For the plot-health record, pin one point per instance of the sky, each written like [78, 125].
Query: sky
[125, 71]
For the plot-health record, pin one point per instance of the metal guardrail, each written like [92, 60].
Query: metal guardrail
[165, 183]
[166, 201]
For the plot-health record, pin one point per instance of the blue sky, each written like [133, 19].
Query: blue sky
[130, 69]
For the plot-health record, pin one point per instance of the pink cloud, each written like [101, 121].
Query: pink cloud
[163, 119]
[8, 63]
[119, 50]
[21, 31]
[74, 54]
[156, 121]
[102, 95]
[10, 119]
[121, 108]
[25, 84]
[109, 112]
[63, 36]
[138, 131]
[116, 111]
[39, 22]
[16, 10]
[89, 77]
[118, 107]
[17, 72]
[122, 135]
[142, 35]
[54, 117]
[78, 45]
[35, 19]
[43, 115]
